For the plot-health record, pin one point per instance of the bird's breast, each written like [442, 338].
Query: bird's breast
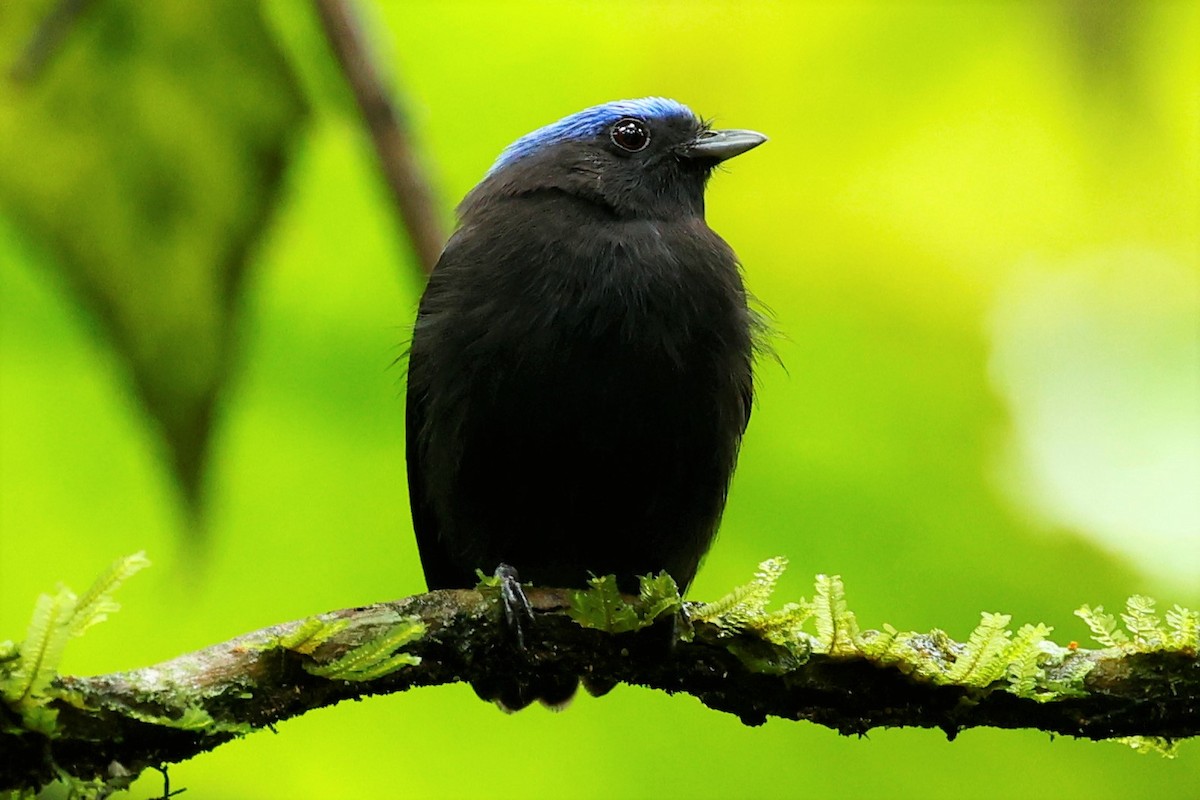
[645, 283]
[566, 293]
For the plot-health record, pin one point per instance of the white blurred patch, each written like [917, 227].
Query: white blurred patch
[1098, 359]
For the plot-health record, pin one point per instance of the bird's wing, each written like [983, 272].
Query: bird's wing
[747, 403]
[439, 573]
[424, 522]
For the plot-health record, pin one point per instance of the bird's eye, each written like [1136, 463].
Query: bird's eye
[630, 134]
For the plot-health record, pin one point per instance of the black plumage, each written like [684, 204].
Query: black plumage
[579, 376]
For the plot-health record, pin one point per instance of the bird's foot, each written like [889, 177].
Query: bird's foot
[518, 614]
[681, 626]
[518, 682]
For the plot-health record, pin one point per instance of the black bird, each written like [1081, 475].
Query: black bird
[579, 376]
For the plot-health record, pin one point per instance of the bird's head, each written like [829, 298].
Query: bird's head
[647, 158]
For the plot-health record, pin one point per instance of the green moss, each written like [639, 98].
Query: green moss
[994, 657]
[602, 607]
[28, 670]
[375, 658]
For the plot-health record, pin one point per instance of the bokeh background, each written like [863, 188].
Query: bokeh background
[977, 227]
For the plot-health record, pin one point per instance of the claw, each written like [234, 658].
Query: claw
[681, 626]
[528, 683]
[517, 611]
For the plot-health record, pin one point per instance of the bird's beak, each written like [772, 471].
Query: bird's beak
[718, 146]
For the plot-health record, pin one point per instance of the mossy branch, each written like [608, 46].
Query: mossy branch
[732, 655]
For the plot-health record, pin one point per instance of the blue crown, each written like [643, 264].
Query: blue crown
[588, 123]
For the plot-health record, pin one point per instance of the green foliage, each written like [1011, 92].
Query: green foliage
[1144, 625]
[374, 658]
[1103, 626]
[880, 645]
[1144, 630]
[487, 581]
[97, 602]
[745, 608]
[784, 626]
[982, 659]
[191, 718]
[658, 596]
[1022, 657]
[735, 610]
[43, 647]
[991, 654]
[837, 628]
[26, 672]
[1185, 628]
[1167, 748]
[311, 634]
[1064, 672]
[994, 657]
[163, 178]
[601, 605]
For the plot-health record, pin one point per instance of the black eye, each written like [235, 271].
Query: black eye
[630, 134]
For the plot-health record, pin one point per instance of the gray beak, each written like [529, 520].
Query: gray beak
[718, 146]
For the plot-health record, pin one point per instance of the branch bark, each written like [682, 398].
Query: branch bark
[412, 197]
[116, 725]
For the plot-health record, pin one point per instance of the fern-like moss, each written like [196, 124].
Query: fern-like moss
[837, 627]
[1022, 659]
[43, 647]
[311, 634]
[28, 670]
[737, 610]
[880, 646]
[1144, 625]
[994, 657]
[1167, 748]
[190, 718]
[658, 596]
[375, 658]
[1185, 628]
[602, 607]
[97, 602]
[785, 626]
[1145, 631]
[981, 661]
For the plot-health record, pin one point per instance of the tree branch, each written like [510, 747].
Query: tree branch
[412, 197]
[51, 33]
[112, 727]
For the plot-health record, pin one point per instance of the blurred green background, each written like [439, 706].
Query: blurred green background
[978, 229]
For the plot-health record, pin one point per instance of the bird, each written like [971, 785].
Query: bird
[580, 371]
